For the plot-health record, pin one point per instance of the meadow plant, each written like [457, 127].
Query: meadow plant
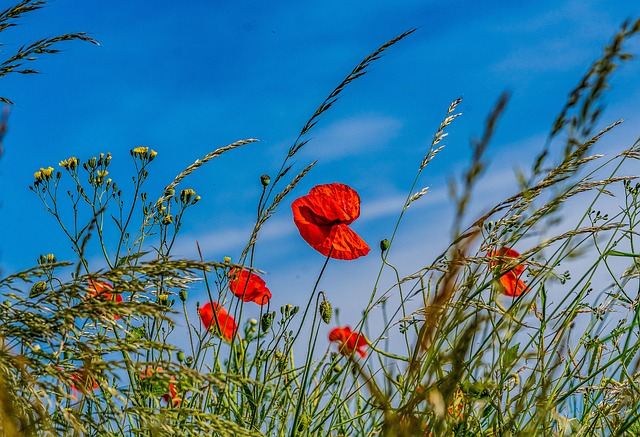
[28, 53]
[502, 340]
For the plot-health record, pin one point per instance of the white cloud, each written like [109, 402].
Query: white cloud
[230, 240]
[578, 12]
[565, 45]
[354, 135]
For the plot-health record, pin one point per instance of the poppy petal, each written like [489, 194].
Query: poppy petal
[339, 202]
[101, 288]
[510, 281]
[323, 216]
[347, 245]
[349, 341]
[318, 236]
[249, 287]
[513, 286]
[213, 316]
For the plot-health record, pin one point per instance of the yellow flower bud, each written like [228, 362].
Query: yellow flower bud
[140, 152]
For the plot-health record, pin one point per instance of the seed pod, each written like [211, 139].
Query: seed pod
[267, 320]
[326, 311]
[183, 295]
[38, 288]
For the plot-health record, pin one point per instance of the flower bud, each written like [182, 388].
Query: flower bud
[384, 245]
[265, 180]
[266, 321]
[285, 310]
[69, 164]
[183, 295]
[226, 259]
[140, 152]
[180, 356]
[326, 311]
[46, 172]
[188, 361]
[187, 195]
[38, 288]
[281, 360]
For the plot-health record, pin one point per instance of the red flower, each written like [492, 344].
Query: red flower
[172, 395]
[215, 317]
[102, 289]
[249, 287]
[348, 341]
[511, 283]
[323, 218]
[84, 380]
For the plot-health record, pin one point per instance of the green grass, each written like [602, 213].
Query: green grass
[560, 358]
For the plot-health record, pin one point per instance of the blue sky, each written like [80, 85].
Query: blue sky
[185, 80]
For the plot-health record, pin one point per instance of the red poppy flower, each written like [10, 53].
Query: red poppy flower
[348, 341]
[171, 397]
[215, 317]
[103, 289]
[84, 380]
[249, 287]
[511, 283]
[323, 218]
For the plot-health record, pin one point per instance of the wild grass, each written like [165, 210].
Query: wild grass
[89, 344]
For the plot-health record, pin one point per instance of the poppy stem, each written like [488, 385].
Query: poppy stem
[311, 346]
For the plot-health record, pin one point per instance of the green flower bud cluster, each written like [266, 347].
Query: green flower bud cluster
[47, 259]
[143, 153]
[289, 310]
